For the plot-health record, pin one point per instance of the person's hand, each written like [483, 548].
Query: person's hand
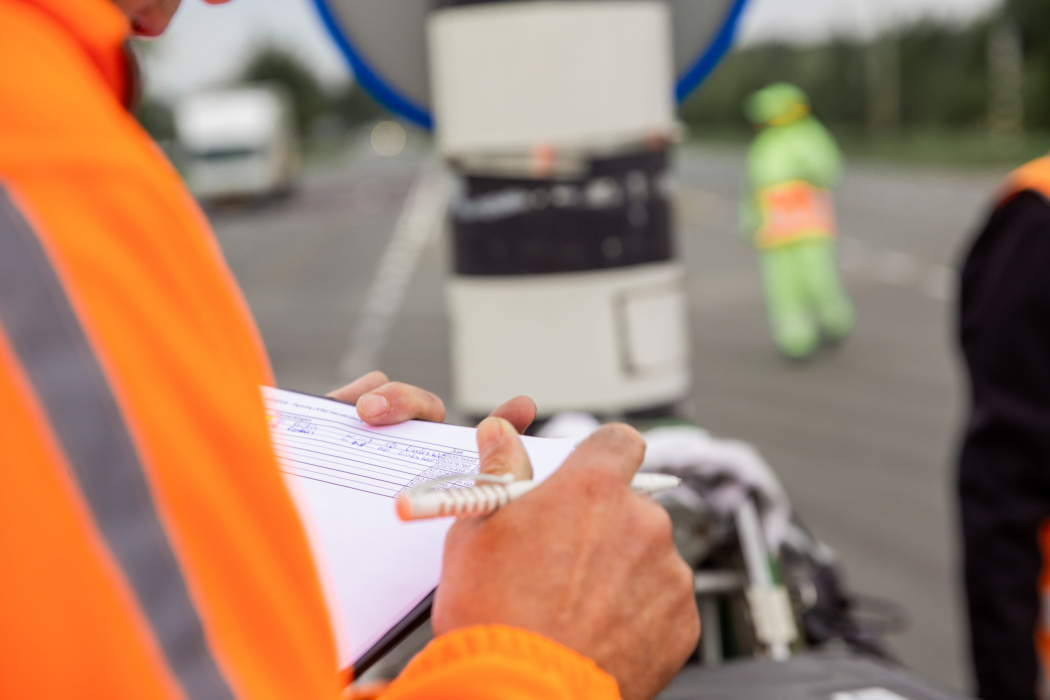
[380, 401]
[581, 560]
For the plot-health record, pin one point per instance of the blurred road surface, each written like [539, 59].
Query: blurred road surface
[863, 437]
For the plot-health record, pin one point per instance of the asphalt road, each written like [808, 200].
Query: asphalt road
[863, 437]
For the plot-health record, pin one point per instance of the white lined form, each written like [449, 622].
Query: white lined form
[343, 475]
[345, 451]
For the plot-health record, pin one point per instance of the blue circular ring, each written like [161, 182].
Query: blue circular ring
[711, 56]
[390, 98]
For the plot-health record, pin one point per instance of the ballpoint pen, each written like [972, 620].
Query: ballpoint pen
[497, 491]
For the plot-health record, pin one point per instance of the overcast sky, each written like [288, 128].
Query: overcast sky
[209, 44]
[813, 21]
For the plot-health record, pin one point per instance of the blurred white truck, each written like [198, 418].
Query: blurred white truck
[237, 142]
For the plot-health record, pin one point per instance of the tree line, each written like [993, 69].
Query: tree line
[993, 74]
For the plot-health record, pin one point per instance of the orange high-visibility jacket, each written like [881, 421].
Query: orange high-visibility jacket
[1034, 175]
[148, 547]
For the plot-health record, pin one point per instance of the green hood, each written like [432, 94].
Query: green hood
[776, 105]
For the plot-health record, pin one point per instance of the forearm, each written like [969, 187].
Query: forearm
[493, 661]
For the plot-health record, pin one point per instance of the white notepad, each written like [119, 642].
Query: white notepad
[344, 475]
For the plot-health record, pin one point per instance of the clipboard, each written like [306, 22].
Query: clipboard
[397, 634]
[379, 574]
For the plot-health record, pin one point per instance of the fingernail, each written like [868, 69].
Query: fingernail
[373, 405]
[490, 433]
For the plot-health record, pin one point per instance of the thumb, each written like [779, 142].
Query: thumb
[615, 448]
[501, 451]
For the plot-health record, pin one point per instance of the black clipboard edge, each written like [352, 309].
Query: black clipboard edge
[397, 634]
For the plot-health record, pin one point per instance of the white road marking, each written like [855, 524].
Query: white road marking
[940, 282]
[876, 693]
[897, 268]
[422, 218]
[852, 253]
[857, 259]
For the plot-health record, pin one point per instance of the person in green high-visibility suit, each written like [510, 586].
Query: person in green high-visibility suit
[786, 212]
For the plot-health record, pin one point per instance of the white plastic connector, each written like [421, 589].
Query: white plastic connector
[774, 619]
